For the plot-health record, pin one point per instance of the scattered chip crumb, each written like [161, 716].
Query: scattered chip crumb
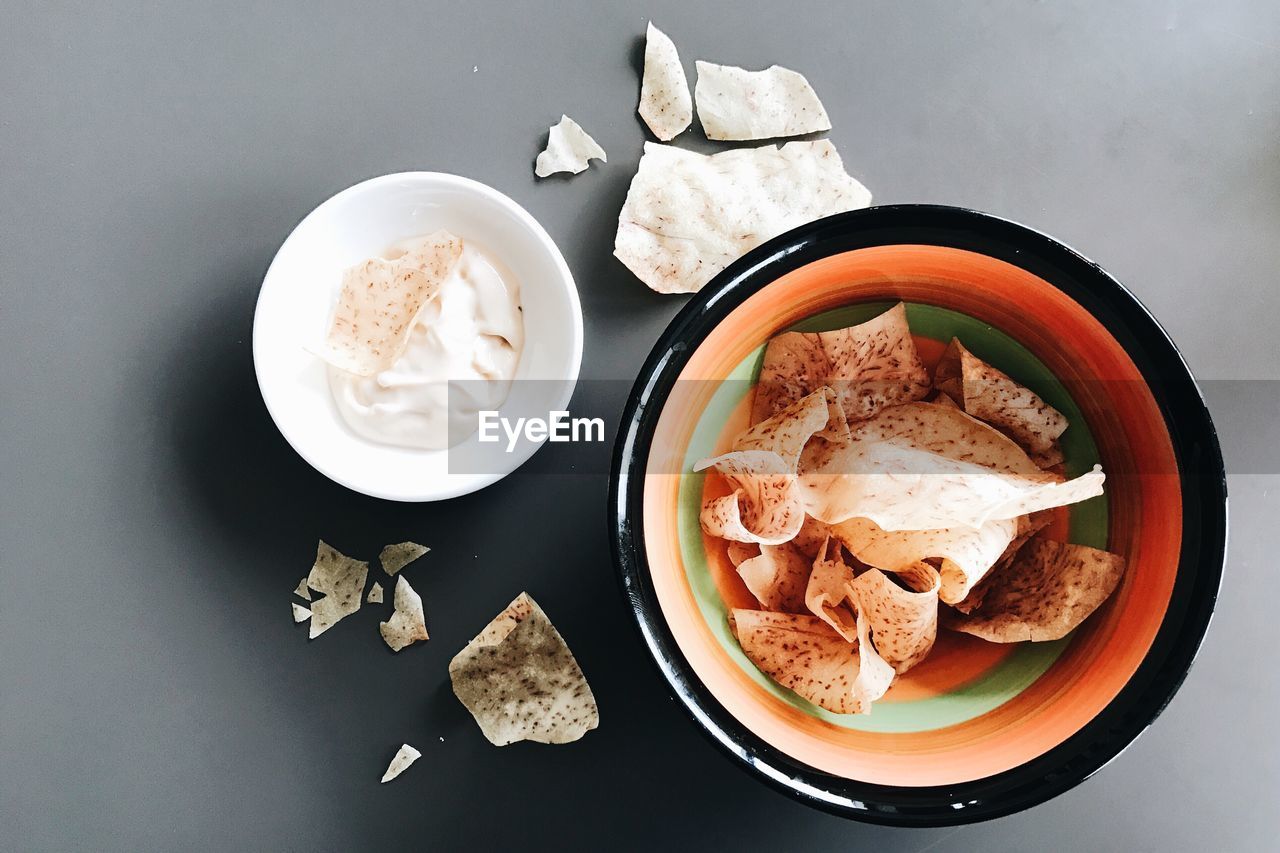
[407, 624]
[569, 149]
[300, 614]
[302, 591]
[406, 756]
[375, 593]
[395, 557]
[341, 580]
[665, 104]
[734, 103]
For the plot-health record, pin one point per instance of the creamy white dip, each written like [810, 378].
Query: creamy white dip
[470, 335]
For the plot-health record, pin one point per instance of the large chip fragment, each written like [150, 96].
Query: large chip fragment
[520, 681]
[1044, 593]
[665, 104]
[341, 580]
[688, 216]
[990, 395]
[734, 103]
[869, 366]
[407, 624]
[381, 299]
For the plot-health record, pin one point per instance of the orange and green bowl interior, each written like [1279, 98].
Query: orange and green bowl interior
[972, 709]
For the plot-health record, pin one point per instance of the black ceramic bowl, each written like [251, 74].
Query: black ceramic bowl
[1138, 405]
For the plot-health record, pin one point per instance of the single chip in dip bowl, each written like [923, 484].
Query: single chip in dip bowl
[920, 514]
[396, 315]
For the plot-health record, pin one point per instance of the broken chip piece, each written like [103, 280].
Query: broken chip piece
[302, 591]
[400, 763]
[300, 614]
[395, 557]
[380, 300]
[375, 593]
[519, 680]
[407, 624]
[665, 104]
[341, 580]
[687, 216]
[569, 149]
[1044, 593]
[734, 103]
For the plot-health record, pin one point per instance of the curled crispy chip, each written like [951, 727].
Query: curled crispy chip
[395, 557]
[812, 536]
[734, 103]
[829, 594]
[967, 553]
[740, 552]
[801, 652]
[787, 432]
[870, 366]
[903, 622]
[765, 505]
[407, 624]
[665, 104]
[776, 577]
[300, 613]
[375, 594]
[1044, 593]
[520, 681]
[687, 216]
[991, 396]
[380, 300]
[569, 149]
[405, 756]
[921, 466]
[341, 580]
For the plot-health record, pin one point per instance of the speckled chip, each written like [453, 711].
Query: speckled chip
[407, 624]
[341, 580]
[520, 681]
[395, 557]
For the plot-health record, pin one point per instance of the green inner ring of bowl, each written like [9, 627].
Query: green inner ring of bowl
[1089, 525]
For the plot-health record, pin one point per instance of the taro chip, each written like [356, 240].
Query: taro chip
[687, 215]
[734, 103]
[776, 577]
[395, 557]
[903, 621]
[921, 466]
[869, 366]
[341, 580]
[300, 614]
[665, 104]
[569, 149]
[829, 594]
[765, 505]
[802, 653]
[381, 299]
[1043, 594]
[375, 593]
[407, 624]
[405, 756]
[788, 431]
[991, 396]
[967, 553]
[302, 591]
[519, 680]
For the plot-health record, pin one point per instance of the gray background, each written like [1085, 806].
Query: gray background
[153, 693]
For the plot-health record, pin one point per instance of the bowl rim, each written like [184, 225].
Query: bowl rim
[564, 278]
[1201, 473]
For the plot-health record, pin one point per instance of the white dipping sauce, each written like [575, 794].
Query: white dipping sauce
[471, 334]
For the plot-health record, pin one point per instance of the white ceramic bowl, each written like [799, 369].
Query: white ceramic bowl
[301, 288]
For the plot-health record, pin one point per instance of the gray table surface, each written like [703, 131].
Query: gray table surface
[154, 694]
